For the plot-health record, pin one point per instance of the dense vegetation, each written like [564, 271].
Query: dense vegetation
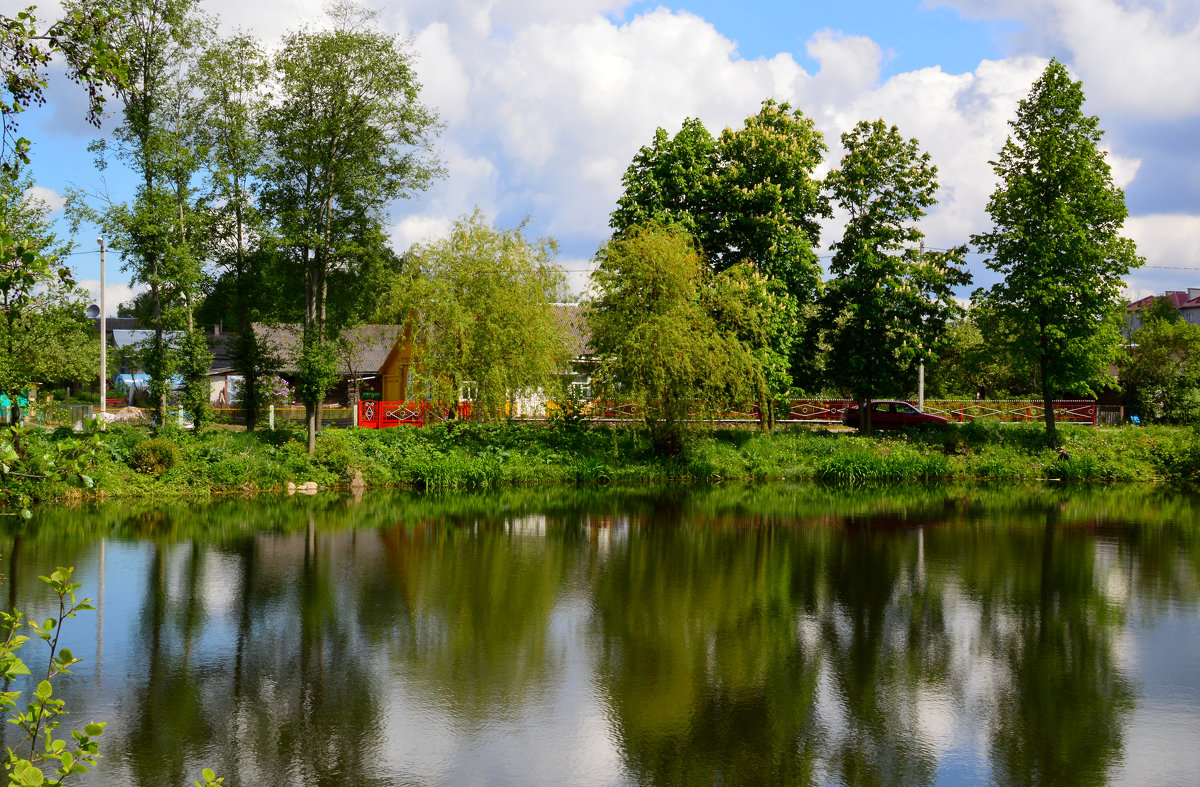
[129, 462]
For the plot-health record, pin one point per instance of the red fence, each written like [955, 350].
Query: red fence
[380, 415]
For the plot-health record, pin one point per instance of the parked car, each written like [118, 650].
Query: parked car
[892, 415]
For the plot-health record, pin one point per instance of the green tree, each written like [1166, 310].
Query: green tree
[770, 202]
[673, 180]
[44, 337]
[158, 233]
[758, 312]
[889, 300]
[1056, 238]
[230, 77]
[657, 342]
[482, 298]
[968, 363]
[348, 136]
[749, 196]
[82, 39]
[1161, 372]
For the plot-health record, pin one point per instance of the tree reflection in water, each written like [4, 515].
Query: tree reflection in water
[773, 634]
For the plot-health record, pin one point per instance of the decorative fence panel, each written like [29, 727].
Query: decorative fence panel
[1078, 411]
[380, 415]
[384, 415]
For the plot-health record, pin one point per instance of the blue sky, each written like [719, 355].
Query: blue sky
[545, 102]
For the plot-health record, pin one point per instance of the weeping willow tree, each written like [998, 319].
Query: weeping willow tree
[482, 302]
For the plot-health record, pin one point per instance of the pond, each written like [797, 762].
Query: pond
[769, 634]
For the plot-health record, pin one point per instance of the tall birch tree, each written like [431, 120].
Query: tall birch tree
[230, 79]
[349, 135]
[157, 233]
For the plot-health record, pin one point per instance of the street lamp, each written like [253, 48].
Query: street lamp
[103, 343]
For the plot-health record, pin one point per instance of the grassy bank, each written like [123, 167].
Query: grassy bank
[129, 462]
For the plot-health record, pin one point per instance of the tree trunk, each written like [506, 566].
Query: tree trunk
[1048, 405]
[310, 417]
[864, 415]
[160, 349]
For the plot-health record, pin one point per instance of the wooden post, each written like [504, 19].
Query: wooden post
[271, 417]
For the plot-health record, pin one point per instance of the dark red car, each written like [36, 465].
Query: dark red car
[892, 415]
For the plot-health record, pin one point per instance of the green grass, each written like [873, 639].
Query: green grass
[133, 462]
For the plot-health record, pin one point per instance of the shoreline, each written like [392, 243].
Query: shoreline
[128, 463]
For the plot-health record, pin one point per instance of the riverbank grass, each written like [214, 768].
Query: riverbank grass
[137, 462]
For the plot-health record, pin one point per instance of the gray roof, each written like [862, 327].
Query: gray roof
[117, 323]
[124, 338]
[369, 345]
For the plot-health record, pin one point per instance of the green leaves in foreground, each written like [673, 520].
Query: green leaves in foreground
[40, 718]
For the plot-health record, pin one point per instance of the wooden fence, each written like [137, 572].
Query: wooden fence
[382, 415]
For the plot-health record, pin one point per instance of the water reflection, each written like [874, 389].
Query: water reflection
[744, 635]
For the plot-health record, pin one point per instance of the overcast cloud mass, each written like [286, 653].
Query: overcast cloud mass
[545, 102]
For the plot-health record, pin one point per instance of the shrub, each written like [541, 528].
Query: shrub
[154, 456]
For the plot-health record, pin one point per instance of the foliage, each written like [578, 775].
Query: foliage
[748, 197]
[968, 364]
[195, 360]
[159, 234]
[316, 373]
[44, 336]
[1161, 373]
[65, 466]
[272, 390]
[154, 456]
[1056, 241]
[40, 718]
[348, 136]
[654, 337]
[30, 466]
[889, 301]
[480, 306]
[82, 39]
[230, 75]
[674, 180]
[758, 312]
[771, 202]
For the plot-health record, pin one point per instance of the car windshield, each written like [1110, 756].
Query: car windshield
[902, 407]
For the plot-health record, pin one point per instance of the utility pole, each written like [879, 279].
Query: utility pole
[103, 343]
[921, 366]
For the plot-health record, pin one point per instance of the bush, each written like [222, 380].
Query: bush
[154, 456]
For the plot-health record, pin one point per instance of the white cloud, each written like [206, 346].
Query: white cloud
[1133, 55]
[445, 83]
[849, 65]
[51, 198]
[419, 229]
[545, 102]
[114, 294]
[1168, 242]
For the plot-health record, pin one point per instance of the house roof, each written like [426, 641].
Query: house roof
[1180, 299]
[125, 338]
[369, 345]
[118, 323]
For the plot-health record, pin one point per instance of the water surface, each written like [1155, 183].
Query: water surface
[770, 634]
